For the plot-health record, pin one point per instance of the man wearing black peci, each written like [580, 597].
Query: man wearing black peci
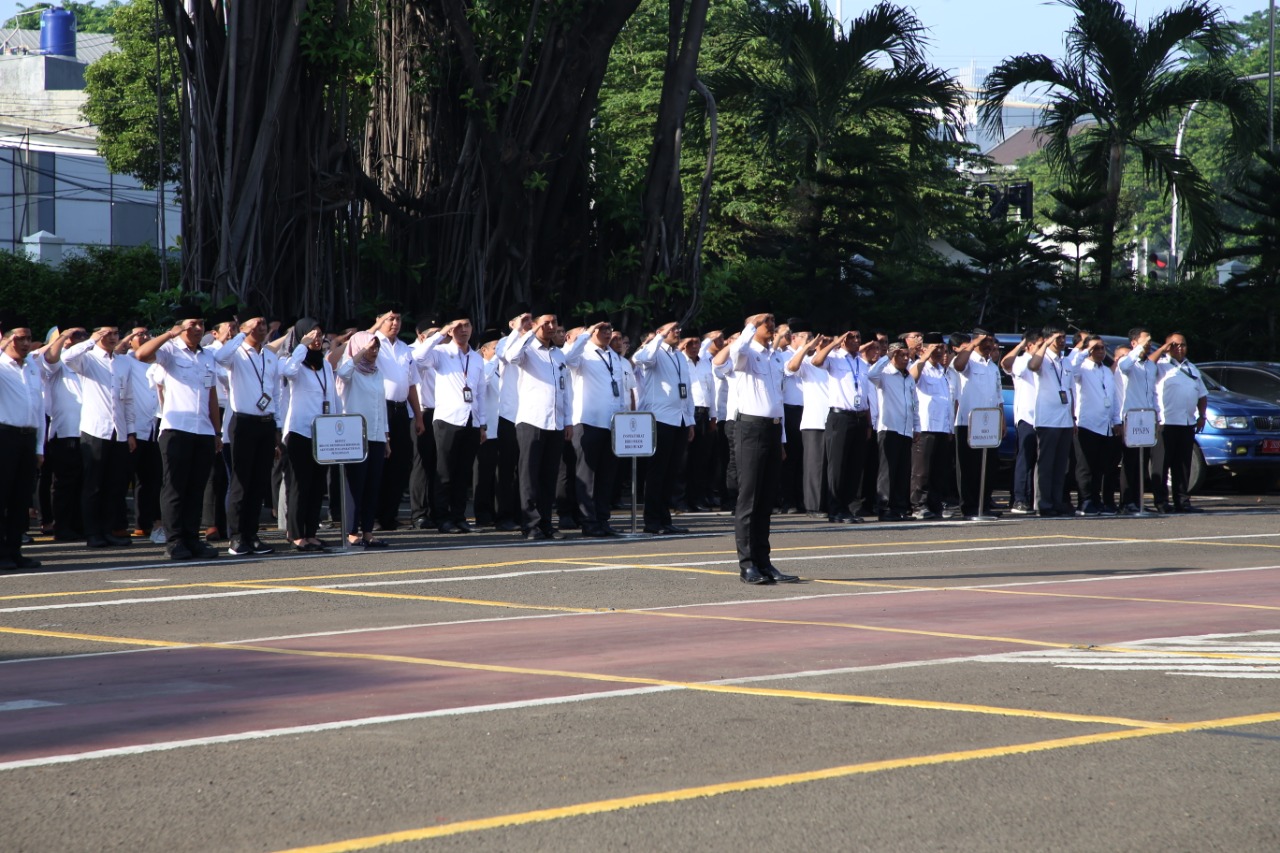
[759, 438]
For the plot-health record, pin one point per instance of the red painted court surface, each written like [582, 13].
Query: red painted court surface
[78, 705]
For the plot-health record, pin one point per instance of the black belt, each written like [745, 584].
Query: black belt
[240, 416]
[857, 413]
[758, 419]
[397, 406]
[17, 430]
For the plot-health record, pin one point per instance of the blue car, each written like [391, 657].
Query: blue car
[1240, 441]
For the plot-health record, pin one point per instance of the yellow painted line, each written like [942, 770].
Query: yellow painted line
[730, 689]
[407, 596]
[95, 638]
[236, 583]
[948, 635]
[680, 795]
[602, 561]
[1110, 598]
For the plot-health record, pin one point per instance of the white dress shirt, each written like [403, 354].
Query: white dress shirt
[1137, 380]
[220, 374]
[395, 361]
[309, 390]
[979, 387]
[665, 372]
[897, 409]
[814, 386]
[364, 394]
[21, 403]
[1095, 393]
[791, 393]
[253, 377]
[598, 388]
[702, 385]
[105, 391]
[188, 376]
[424, 379]
[62, 399]
[757, 375]
[542, 380]
[508, 381]
[1053, 388]
[492, 392]
[936, 398]
[1024, 391]
[1179, 388]
[145, 402]
[847, 386]
[455, 376]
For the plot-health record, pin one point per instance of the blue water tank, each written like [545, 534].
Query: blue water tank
[58, 32]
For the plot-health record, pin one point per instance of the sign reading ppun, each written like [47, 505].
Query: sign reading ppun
[339, 438]
[634, 434]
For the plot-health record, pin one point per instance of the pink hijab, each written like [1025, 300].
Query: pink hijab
[356, 345]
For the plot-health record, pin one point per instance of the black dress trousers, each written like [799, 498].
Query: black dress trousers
[759, 458]
[540, 451]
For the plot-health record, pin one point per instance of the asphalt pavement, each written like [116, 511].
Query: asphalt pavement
[1105, 684]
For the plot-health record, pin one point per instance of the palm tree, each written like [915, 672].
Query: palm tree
[808, 86]
[1129, 82]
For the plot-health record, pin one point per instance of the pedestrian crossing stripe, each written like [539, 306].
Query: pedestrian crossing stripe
[1171, 656]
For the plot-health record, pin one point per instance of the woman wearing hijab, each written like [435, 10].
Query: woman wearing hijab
[312, 392]
[360, 389]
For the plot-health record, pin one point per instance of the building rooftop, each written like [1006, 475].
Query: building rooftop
[89, 46]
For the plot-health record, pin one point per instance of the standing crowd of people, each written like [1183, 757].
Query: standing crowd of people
[210, 424]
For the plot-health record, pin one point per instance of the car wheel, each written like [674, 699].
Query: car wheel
[1199, 471]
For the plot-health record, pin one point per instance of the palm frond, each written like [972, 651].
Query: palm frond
[1160, 165]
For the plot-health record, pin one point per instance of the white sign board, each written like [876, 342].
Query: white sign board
[986, 428]
[339, 438]
[634, 434]
[1140, 428]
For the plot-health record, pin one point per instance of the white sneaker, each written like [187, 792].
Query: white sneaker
[158, 536]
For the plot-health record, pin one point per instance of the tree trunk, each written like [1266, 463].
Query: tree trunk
[663, 242]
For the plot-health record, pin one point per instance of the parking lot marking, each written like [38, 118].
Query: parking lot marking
[504, 564]
[768, 782]
[703, 687]
[408, 596]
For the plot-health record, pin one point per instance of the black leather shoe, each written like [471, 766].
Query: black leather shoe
[672, 530]
[552, 534]
[179, 551]
[97, 542]
[606, 530]
[7, 565]
[777, 576]
[464, 527]
[113, 539]
[506, 526]
[1187, 507]
[203, 551]
[21, 562]
[449, 527]
[535, 534]
[752, 576]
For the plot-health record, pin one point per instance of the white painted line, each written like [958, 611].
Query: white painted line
[27, 704]
[227, 560]
[157, 600]
[140, 580]
[263, 734]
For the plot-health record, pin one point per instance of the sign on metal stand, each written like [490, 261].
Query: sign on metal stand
[338, 440]
[633, 434]
[1140, 432]
[986, 431]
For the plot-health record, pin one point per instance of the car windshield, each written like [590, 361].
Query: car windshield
[1211, 383]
